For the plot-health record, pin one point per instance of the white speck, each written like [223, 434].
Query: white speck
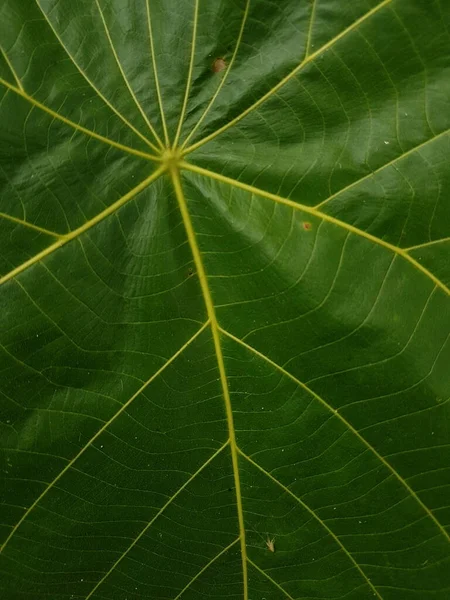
[82, 579]
[387, 143]
[406, 114]
[282, 449]
[8, 421]
[432, 433]
[37, 335]
[334, 508]
[101, 446]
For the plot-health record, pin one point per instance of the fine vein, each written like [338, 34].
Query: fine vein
[160, 511]
[76, 232]
[347, 424]
[317, 518]
[203, 569]
[100, 431]
[317, 213]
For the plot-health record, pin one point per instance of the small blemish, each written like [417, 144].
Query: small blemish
[190, 272]
[219, 65]
[306, 225]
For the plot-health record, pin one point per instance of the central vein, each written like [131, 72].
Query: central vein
[220, 362]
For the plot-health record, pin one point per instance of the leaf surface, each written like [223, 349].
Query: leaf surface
[224, 256]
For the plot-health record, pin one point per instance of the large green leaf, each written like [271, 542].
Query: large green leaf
[225, 252]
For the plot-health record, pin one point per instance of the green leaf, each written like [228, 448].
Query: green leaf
[225, 315]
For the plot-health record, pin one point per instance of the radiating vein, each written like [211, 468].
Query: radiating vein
[347, 424]
[76, 126]
[288, 77]
[11, 68]
[318, 519]
[30, 225]
[100, 431]
[223, 79]
[425, 244]
[201, 273]
[189, 79]
[127, 83]
[155, 71]
[161, 510]
[213, 560]
[91, 83]
[85, 227]
[317, 213]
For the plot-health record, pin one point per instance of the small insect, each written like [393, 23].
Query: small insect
[270, 543]
[219, 65]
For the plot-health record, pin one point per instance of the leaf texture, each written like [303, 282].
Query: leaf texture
[224, 268]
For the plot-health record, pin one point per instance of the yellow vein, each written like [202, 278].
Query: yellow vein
[213, 560]
[189, 79]
[425, 244]
[76, 232]
[11, 68]
[101, 430]
[310, 29]
[388, 164]
[288, 77]
[220, 362]
[161, 510]
[30, 225]
[317, 518]
[155, 71]
[77, 127]
[92, 85]
[132, 94]
[347, 424]
[223, 79]
[255, 566]
[316, 213]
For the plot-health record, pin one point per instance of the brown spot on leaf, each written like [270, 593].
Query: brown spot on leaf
[190, 271]
[306, 225]
[219, 65]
